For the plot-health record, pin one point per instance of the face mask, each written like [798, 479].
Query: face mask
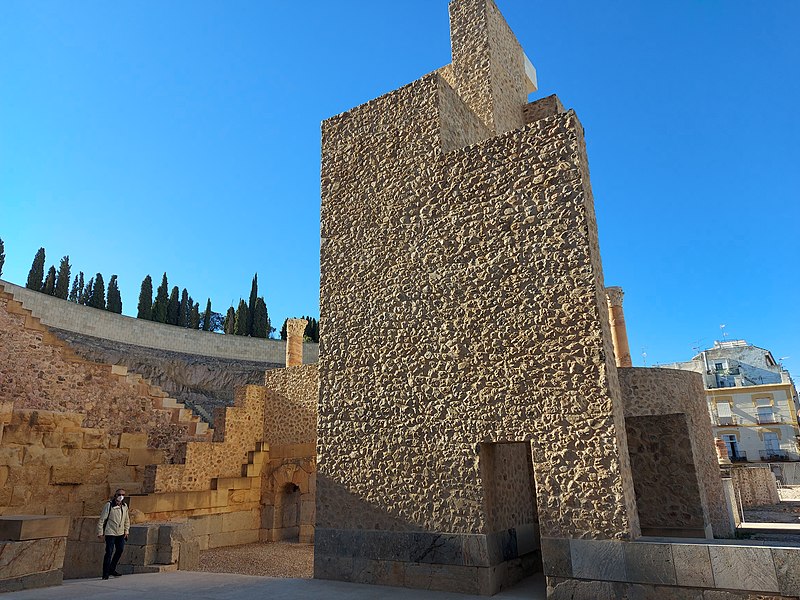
[120, 498]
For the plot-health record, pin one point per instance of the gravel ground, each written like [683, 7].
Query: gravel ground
[270, 559]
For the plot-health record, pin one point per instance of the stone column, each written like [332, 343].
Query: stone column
[722, 452]
[619, 334]
[294, 341]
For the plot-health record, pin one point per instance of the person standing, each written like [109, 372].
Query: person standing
[114, 525]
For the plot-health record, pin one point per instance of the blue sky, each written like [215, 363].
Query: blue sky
[184, 137]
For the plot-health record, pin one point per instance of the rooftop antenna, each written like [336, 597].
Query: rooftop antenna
[644, 357]
[781, 359]
[724, 334]
[698, 346]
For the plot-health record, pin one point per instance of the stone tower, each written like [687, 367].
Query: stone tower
[455, 215]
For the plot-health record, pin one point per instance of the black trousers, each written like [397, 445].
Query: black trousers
[115, 544]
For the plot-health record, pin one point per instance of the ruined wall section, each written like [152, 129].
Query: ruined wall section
[37, 372]
[467, 248]
[290, 413]
[654, 391]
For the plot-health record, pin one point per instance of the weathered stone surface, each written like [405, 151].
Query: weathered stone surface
[649, 563]
[743, 568]
[34, 580]
[598, 559]
[679, 485]
[692, 565]
[18, 559]
[28, 527]
[787, 569]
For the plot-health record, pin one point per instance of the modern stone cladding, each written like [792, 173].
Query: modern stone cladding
[85, 320]
[448, 227]
[674, 459]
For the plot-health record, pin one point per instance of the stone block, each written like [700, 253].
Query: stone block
[32, 581]
[556, 557]
[236, 521]
[378, 572]
[598, 559]
[138, 555]
[649, 563]
[448, 578]
[145, 456]
[692, 565]
[28, 527]
[11, 457]
[233, 538]
[69, 474]
[192, 500]
[333, 567]
[143, 535]
[172, 533]
[787, 569]
[189, 555]
[743, 568]
[18, 559]
[95, 438]
[474, 550]
[167, 555]
[133, 440]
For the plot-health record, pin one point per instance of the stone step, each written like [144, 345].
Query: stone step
[202, 428]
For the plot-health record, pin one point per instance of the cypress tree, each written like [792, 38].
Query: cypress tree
[162, 300]
[62, 281]
[230, 321]
[49, 285]
[114, 303]
[36, 274]
[207, 316]
[173, 306]
[241, 319]
[260, 319]
[251, 306]
[77, 288]
[283, 330]
[145, 308]
[87, 292]
[194, 315]
[73, 293]
[183, 309]
[2, 256]
[98, 296]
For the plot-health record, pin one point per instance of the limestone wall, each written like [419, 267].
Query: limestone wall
[291, 396]
[60, 314]
[652, 392]
[38, 372]
[466, 246]
[755, 485]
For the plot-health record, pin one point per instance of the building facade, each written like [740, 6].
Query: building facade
[752, 401]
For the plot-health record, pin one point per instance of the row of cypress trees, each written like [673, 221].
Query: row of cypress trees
[173, 307]
[56, 283]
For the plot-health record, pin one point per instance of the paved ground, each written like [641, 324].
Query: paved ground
[181, 585]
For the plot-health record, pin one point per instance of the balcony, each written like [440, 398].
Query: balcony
[769, 419]
[771, 455]
[742, 457]
[727, 421]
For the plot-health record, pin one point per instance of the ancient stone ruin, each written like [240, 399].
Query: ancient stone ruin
[453, 452]
[444, 450]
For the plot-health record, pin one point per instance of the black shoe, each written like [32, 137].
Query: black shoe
[115, 574]
[105, 576]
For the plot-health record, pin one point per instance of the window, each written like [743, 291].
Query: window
[765, 414]
[718, 366]
[771, 442]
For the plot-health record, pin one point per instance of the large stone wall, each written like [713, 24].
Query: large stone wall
[464, 246]
[37, 372]
[655, 392]
[755, 486]
[84, 320]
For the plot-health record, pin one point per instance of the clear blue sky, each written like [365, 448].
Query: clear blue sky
[143, 137]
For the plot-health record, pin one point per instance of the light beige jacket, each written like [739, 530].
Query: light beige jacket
[119, 522]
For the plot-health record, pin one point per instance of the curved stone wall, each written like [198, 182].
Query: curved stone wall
[60, 314]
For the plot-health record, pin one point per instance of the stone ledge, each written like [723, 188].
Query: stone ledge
[32, 581]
